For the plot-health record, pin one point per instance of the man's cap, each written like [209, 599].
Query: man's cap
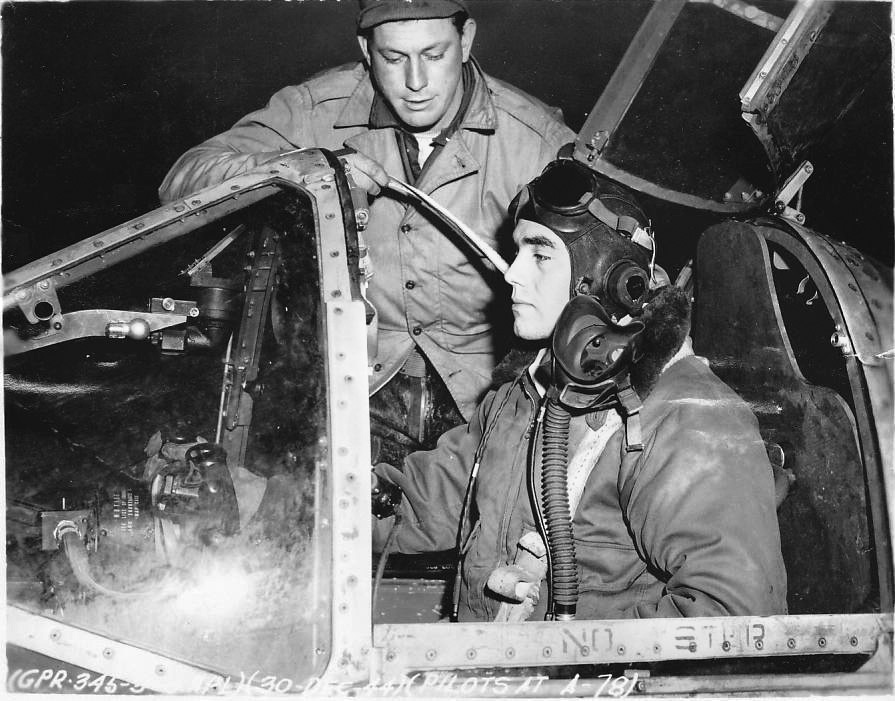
[374, 12]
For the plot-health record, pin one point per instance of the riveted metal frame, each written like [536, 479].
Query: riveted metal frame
[615, 100]
[626, 81]
[861, 305]
[748, 12]
[96, 652]
[349, 445]
[342, 498]
[784, 56]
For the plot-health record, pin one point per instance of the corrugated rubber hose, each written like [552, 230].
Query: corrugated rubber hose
[555, 502]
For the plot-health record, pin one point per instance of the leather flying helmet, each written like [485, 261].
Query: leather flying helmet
[604, 228]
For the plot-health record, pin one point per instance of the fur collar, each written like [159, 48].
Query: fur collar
[667, 323]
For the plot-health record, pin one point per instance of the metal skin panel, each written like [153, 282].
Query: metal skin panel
[404, 649]
[864, 314]
[349, 445]
[345, 515]
[866, 308]
[92, 651]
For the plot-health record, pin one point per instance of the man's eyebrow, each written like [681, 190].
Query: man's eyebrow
[537, 240]
[437, 46]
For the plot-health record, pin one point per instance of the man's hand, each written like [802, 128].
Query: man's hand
[367, 174]
[385, 495]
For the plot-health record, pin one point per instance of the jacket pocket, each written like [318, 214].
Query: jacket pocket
[479, 605]
[475, 342]
[607, 567]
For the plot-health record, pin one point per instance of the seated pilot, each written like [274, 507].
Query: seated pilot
[614, 476]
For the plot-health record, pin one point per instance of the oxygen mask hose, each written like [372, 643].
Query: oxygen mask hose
[555, 500]
[68, 535]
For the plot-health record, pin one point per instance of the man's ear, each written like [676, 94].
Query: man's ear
[466, 38]
[364, 47]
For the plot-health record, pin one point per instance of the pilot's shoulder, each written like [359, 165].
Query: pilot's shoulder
[334, 83]
[689, 386]
[517, 105]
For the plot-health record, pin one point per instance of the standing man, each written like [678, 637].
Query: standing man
[420, 108]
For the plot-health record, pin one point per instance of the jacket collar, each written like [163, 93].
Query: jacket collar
[481, 114]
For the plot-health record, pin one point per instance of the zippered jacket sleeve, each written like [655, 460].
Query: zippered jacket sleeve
[256, 138]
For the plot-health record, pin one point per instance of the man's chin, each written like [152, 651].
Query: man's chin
[527, 333]
[417, 121]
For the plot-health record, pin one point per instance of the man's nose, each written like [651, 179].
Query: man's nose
[510, 275]
[415, 78]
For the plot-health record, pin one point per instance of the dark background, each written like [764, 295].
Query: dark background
[100, 98]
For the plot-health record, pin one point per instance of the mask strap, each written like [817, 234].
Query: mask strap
[631, 406]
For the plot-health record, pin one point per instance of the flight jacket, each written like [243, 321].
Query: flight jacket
[685, 527]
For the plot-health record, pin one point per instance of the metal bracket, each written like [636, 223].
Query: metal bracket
[791, 189]
[162, 305]
[743, 191]
[111, 323]
[205, 259]
[243, 361]
[39, 301]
